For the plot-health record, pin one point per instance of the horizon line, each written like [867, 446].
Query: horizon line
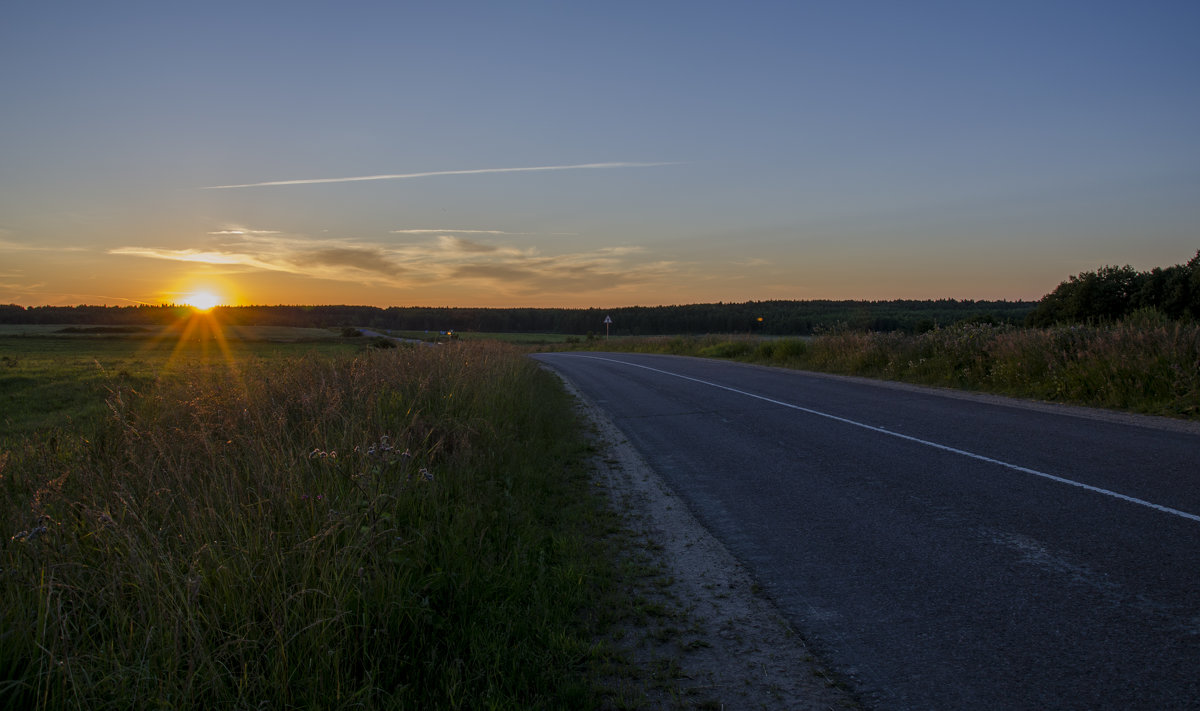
[567, 308]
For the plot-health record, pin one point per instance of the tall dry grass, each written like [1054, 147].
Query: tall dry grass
[397, 529]
[1143, 364]
[1137, 365]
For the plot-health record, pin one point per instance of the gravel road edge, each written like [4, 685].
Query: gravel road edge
[714, 641]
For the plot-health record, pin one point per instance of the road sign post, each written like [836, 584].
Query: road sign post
[607, 323]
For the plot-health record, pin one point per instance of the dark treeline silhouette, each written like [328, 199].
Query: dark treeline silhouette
[762, 317]
[1107, 294]
[1112, 293]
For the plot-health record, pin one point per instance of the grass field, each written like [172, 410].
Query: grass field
[282, 525]
[51, 378]
[276, 334]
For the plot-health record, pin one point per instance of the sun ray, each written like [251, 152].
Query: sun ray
[197, 331]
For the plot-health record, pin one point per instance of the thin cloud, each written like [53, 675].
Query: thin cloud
[67, 297]
[442, 258]
[368, 260]
[455, 232]
[430, 174]
[496, 272]
[457, 244]
[267, 250]
[190, 255]
[245, 232]
[10, 246]
[529, 273]
[427, 231]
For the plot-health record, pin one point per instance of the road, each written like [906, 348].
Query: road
[939, 550]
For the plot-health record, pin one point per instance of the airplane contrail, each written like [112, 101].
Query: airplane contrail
[402, 176]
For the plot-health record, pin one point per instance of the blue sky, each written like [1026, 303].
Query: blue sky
[687, 152]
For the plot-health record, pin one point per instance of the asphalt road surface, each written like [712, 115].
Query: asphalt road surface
[939, 550]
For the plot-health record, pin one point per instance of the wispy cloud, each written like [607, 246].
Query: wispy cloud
[10, 246]
[430, 174]
[457, 244]
[60, 298]
[270, 250]
[425, 231]
[362, 258]
[192, 255]
[437, 257]
[532, 273]
[428, 231]
[19, 287]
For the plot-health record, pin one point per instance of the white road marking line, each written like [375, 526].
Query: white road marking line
[917, 440]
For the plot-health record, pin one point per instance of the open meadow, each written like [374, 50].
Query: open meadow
[202, 522]
[55, 376]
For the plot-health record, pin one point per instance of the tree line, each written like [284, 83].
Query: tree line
[760, 317]
[1111, 293]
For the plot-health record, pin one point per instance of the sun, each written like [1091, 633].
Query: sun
[202, 300]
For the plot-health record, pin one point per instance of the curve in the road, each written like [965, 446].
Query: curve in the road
[941, 551]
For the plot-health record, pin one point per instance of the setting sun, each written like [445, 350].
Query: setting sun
[202, 300]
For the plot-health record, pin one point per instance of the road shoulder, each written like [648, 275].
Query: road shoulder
[711, 639]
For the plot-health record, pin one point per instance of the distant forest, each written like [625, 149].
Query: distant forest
[1105, 295]
[762, 317]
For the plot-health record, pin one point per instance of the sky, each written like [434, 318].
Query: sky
[591, 154]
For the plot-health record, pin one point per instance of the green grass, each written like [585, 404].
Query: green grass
[233, 333]
[1144, 364]
[49, 379]
[372, 529]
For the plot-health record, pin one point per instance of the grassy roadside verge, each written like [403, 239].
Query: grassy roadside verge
[411, 528]
[1143, 364]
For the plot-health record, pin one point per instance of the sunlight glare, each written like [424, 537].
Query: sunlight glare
[202, 300]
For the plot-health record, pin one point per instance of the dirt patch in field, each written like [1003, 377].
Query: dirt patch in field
[704, 637]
